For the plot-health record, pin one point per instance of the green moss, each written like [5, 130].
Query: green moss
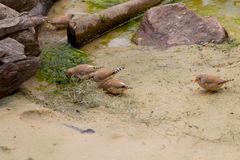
[131, 25]
[96, 5]
[107, 39]
[103, 18]
[169, 1]
[128, 29]
[56, 59]
[229, 45]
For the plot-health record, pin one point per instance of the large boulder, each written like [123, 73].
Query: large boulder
[12, 75]
[174, 24]
[11, 51]
[15, 66]
[20, 5]
[42, 7]
[19, 47]
[27, 37]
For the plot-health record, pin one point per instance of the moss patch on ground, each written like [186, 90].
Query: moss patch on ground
[74, 94]
[56, 59]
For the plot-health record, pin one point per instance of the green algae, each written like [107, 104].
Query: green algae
[128, 29]
[56, 58]
[96, 5]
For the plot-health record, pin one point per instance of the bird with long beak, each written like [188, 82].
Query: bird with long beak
[82, 71]
[104, 74]
[210, 82]
[62, 21]
[113, 86]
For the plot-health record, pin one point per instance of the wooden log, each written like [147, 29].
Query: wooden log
[42, 7]
[83, 30]
[12, 75]
[27, 37]
[20, 5]
[19, 23]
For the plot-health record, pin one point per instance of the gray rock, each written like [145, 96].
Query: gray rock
[20, 5]
[11, 51]
[27, 37]
[174, 24]
[12, 75]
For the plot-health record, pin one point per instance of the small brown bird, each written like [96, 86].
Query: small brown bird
[62, 21]
[104, 73]
[113, 86]
[210, 82]
[82, 71]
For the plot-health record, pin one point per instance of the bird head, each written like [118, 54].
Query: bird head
[70, 72]
[70, 15]
[126, 87]
[198, 78]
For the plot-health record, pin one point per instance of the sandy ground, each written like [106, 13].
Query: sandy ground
[176, 121]
[171, 117]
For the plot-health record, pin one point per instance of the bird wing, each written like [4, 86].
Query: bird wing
[102, 74]
[209, 79]
[115, 83]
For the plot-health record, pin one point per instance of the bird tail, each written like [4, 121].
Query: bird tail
[118, 70]
[229, 80]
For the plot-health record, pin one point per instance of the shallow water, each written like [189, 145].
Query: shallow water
[227, 12]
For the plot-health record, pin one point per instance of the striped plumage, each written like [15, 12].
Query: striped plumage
[104, 73]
